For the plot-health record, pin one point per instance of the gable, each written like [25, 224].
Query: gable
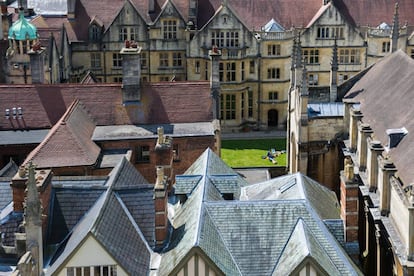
[127, 16]
[82, 257]
[329, 22]
[309, 267]
[196, 262]
[169, 10]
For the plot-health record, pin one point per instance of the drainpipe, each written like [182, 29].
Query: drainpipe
[259, 89]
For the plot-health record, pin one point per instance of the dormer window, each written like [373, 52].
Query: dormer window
[224, 19]
[94, 32]
[169, 29]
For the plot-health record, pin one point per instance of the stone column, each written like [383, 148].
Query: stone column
[386, 170]
[364, 131]
[374, 150]
[356, 116]
[215, 55]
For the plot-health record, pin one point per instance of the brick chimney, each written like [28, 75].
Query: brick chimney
[131, 73]
[37, 62]
[349, 201]
[215, 55]
[161, 208]
[43, 182]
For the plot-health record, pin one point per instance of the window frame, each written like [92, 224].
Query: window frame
[96, 60]
[273, 50]
[116, 60]
[273, 73]
[164, 59]
[123, 33]
[169, 29]
[142, 154]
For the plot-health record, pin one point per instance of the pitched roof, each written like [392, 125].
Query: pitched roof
[44, 105]
[70, 137]
[292, 187]
[232, 233]
[389, 85]
[110, 221]
[303, 244]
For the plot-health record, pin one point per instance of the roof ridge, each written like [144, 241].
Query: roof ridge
[51, 133]
[221, 238]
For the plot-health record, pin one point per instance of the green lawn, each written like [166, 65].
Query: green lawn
[249, 153]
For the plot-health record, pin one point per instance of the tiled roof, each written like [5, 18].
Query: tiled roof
[293, 187]
[6, 195]
[233, 233]
[386, 102]
[185, 184]
[303, 244]
[70, 137]
[21, 137]
[9, 170]
[255, 14]
[111, 221]
[68, 206]
[121, 132]
[44, 105]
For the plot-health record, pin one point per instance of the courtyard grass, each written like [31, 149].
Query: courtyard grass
[250, 153]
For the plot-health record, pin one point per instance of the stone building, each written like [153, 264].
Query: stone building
[376, 184]
[92, 122]
[256, 40]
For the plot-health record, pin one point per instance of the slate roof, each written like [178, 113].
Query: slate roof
[303, 244]
[386, 100]
[292, 187]
[9, 170]
[44, 105]
[22, 137]
[116, 223]
[233, 233]
[121, 132]
[71, 138]
[318, 110]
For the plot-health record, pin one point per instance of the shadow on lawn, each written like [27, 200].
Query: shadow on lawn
[261, 144]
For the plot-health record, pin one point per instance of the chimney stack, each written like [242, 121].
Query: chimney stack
[164, 155]
[37, 61]
[131, 73]
[71, 5]
[161, 208]
[215, 55]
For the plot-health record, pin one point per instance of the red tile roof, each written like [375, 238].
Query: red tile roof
[254, 13]
[43, 105]
[70, 137]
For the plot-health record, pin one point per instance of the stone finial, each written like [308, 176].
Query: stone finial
[395, 29]
[160, 183]
[160, 132]
[348, 168]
